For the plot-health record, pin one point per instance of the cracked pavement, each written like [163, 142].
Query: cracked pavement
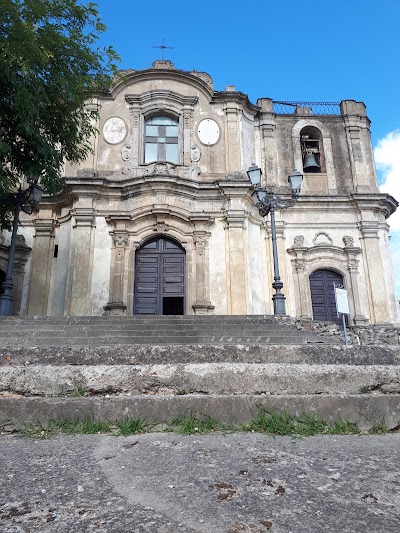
[220, 483]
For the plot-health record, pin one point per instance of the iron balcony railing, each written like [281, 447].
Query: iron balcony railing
[306, 108]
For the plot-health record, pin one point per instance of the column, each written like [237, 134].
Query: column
[81, 262]
[186, 135]
[115, 305]
[42, 256]
[352, 267]
[236, 262]
[232, 137]
[202, 305]
[359, 143]
[268, 130]
[375, 274]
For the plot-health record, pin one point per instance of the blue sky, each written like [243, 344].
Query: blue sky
[324, 51]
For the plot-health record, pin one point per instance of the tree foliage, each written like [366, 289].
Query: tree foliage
[50, 64]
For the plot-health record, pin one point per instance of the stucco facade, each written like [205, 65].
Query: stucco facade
[169, 168]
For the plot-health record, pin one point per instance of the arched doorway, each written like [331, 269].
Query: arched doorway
[323, 295]
[160, 278]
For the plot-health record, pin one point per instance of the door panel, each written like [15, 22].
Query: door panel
[160, 278]
[323, 295]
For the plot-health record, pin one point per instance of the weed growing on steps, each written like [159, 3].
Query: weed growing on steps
[265, 421]
[66, 427]
[305, 425]
[379, 428]
[190, 424]
[76, 392]
[130, 426]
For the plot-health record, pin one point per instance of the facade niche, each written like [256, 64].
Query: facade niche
[312, 150]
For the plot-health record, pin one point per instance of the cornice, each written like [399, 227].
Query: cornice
[161, 70]
[236, 98]
[161, 94]
[384, 203]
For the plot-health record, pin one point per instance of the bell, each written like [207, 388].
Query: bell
[310, 163]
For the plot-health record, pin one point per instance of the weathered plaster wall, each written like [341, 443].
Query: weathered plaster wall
[101, 267]
[218, 292]
[59, 273]
[258, 303]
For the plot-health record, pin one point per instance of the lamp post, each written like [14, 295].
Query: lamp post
[267, 202]
[25, 200]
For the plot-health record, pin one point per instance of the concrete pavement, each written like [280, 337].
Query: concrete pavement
[215, 483]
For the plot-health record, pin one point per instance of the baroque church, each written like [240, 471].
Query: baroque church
[159, 219]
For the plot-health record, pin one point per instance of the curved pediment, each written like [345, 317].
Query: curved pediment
[162, 70]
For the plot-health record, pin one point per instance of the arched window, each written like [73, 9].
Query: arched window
[312, 150]
[323, 295]
[161, 140]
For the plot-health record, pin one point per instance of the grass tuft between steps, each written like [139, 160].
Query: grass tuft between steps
[264, 421]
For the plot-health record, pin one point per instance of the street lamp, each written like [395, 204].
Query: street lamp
[27, 201]
[266, 202]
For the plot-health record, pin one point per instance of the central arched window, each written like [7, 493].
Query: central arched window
[161, 140]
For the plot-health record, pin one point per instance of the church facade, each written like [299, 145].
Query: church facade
[159, 219]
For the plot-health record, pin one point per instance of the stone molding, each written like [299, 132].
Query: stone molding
[325, 256]
[22, 252]
[161, 99]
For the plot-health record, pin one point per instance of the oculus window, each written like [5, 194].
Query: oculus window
[161, 140]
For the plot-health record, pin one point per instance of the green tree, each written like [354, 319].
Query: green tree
[50, 64]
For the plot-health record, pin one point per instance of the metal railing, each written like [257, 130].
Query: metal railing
[306, 108]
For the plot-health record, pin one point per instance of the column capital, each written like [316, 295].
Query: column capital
[84, 216]
[120, 239]
[44, 227]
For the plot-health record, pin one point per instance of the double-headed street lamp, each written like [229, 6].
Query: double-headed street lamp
[267, 202]
[27, 201]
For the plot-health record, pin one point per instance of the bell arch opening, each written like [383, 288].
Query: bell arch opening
[312, 150]
[160, 268]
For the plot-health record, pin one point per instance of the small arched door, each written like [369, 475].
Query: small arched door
[323, 295]
[160, 278]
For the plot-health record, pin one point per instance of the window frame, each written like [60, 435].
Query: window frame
[161, 147]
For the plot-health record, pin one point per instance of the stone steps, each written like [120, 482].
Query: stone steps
[158, 374]
[100, 331]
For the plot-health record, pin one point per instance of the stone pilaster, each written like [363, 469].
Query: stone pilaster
[360, 148]
[115, 305]
[232, 136]
[78, 303]
[22, 252]
[236, 262]
[42, 256]
[352, 267]
[186, 134]
[375, 274]
[202, 305]
[269, 144]
[303, 301]
[134, 122]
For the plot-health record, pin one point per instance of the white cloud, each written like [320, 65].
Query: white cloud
[395, 252]
[387, 157]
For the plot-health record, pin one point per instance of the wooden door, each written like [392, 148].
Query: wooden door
[160, 278]
[323, 295]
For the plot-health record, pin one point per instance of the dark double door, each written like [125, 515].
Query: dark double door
[323, 295]
[160, 278]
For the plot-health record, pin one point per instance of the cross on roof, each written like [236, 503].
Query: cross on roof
[163, 47]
